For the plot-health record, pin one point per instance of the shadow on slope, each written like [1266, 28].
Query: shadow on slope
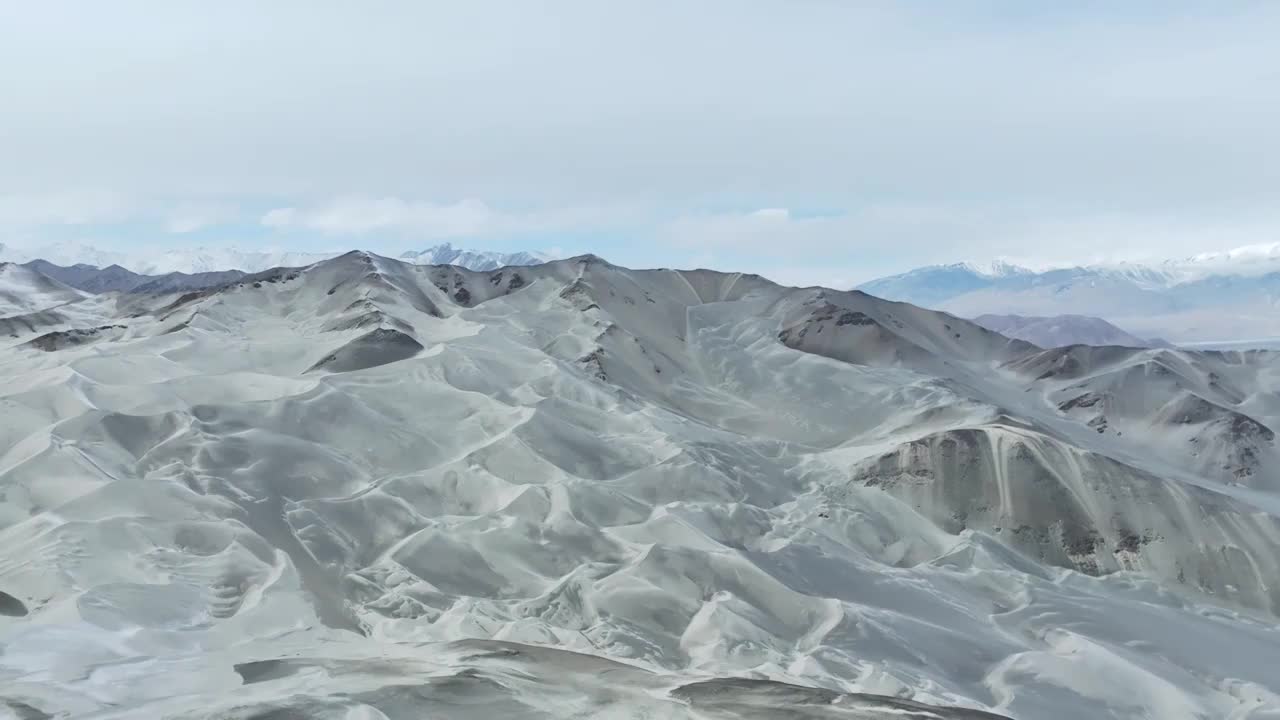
[372, 349]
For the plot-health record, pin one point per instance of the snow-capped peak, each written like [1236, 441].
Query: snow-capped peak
[1247, 260]
[1247, 253]
[1003, 268]
[995, 269]
[447, 254]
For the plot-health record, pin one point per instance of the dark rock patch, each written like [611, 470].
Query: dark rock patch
[24, 711]
[1086, 400]
[748, 697]
[854, 318]
[264, 670]
[62, 339]
[1244, 427]
[11, 606]
[378, 347]
[594, 362]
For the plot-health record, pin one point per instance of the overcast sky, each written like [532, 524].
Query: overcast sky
[822, 141]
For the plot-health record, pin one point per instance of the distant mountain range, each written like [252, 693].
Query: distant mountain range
[115, 277]
[200, 260]
[447, 254]
[179, 260]
[1064, 330]
[1208, 298]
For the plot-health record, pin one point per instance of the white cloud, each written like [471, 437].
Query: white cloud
[189, 217]
[766, 228]
[776, 214]
[360, 215]
[90, 210]
[80, 207]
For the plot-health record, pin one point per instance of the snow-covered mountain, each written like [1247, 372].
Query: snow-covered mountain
[1248, 260]
[1063, 330]
[191, 261]
[934, 284]
[1183, 301]
[447, 254]
[373, 489]
[937, 284]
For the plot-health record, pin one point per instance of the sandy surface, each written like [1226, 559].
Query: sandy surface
[370, 490]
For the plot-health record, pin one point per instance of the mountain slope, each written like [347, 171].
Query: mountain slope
[370, 488]
[23, 290]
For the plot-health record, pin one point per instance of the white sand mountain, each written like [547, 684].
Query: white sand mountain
[372, 489]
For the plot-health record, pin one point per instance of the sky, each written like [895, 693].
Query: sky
[813, 141]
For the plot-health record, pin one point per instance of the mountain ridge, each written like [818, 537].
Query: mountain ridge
[115, 278]
[201, 260]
